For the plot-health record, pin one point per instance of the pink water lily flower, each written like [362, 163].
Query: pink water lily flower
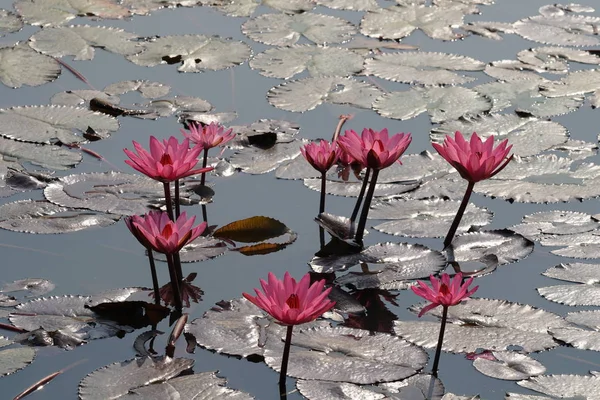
[167, 161]
[208, 136]
[474, 160]
[321, 155]
[375, 149]
[156, 230]
[292, 303]
[444, 292]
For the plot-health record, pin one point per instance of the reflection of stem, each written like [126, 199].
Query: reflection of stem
[360, 230]
[177, 208]
[154, 277]
[459, 215]
[322, 207]
[174, 283]
[360, 195]
[438, 350]
[167, 187]
[204, 161]
[178, 270]
[286, 357]
[338, 128]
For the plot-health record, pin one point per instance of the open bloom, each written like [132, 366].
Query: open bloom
[157, 231]
[208, 136]
[474, 160]
[166, 161]
[444, 292]
[375, 149]
[321, 155]
[292, 303]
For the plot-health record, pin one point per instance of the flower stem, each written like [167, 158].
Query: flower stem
[459, 215]
[175, 284]
[204, 213]
[177, 208]
[323, 194]
[168, 201]
[204, 162]
[360, 195]
[360, 230]
[438, 350]
[286, 356]
[154, 276]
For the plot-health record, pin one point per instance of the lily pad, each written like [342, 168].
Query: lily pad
[585, 294]
[20, 65]
[565, 386]
[509, 366]
[51, 157]
[15, 359]
[57, 12]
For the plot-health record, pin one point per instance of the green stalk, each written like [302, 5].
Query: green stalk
[363, 188]
[286, 357]
[438, 350]
[204, 162]
[362, 222]
[154, 276]
[175, 288]
[459, 215]
[177, 203]
[168, 201]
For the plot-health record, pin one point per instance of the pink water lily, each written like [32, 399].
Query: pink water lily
[208, 136]
[167, 161]
[292, 303]
[375, 149]
[444, 292]
[321, 155]
[157, 231]
[474, 160]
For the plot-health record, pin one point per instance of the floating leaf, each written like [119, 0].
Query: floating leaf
[507, 245]
[509, 366]
[9, 22]
[347, 355]
[576, 83]
[201, 249]
[35, 286]
[264, 133]
[43, 217]
[57, 12]
[560, 30]
[589, 319]
[257, 160]
[396, 22]
[76, 98]
[506, 70]
[195, 53]
[578, 338]
[119, 379]
[422, 67]
[442, 104]
[528, 136]
[426, 218]
[79, 41]
[554, 59]
[488, 29]
[286, 30]
[586, 294]
[20, 65]
[51, 157]
[352, 189]
[355, 5]
[205, 385]
[285, 62]
[148, 89]
[565, 386]
[245, 8]
[13, 360]
[305, 94]
[49, 124]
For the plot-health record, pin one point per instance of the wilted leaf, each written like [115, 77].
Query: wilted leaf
[251, 230]
[286, 30]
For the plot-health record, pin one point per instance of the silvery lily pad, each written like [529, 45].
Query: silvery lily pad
[547, 225]
[117, 380]
[75, 98]
[585, 294]
[285, 62]
[15, 359]
[49, 124]
[576, 83]
[193, 108]
[396, 22]
[112, 192]
[430, 387]
[528, 136]
[201, 249]
[286, 30]
[147, 89]
[543, 179]
[79, 41]
[442, 103]
[426, 218]
[51, 157]
[205, 385]
[422, 67]
[400, 260]
[565, 386]
[43, 217]
[509, 366]
[554, 59]
[506, 70]
[352, 189]
[57, 12]
[561, 30]
[305, 94]
[195, 53]
[347, 355]
[589, 319]
[34, 286]
[20, 65]
[256, 160]
[507, 245]
[579, 338]
[354, 5]
[9, 22]
[488, 29]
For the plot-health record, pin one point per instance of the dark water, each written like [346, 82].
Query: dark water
[100, 259]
